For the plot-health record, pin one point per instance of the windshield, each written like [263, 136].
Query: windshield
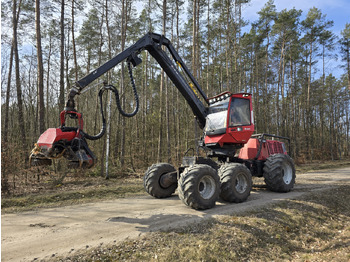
[239, 112]
[216, 119]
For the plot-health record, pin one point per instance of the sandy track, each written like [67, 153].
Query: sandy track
[45, 233]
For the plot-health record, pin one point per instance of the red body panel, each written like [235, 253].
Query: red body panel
[270, 147]
[250, 149]
[240, 137]
[218, 139]
[52, 135]
[232, 136]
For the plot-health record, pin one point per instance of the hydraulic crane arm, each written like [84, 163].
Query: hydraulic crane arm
[227, 117]
[153, 44]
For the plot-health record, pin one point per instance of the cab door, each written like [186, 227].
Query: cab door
[240, 123]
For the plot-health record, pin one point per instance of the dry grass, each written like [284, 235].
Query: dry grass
[320, 165]
[315, 227]
[75, 190]
[56, 185]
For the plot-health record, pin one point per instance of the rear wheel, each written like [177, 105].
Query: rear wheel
[199, 186]
[279, 173]
[236, 182]
[152, 180]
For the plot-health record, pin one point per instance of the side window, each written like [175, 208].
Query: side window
[239, 112]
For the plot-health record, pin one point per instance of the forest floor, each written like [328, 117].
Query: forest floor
[35, 188]
[106, 220]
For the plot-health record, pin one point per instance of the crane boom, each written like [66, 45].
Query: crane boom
[153, 44]
[226, 119]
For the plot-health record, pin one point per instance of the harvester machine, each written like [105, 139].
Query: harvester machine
[233, 153]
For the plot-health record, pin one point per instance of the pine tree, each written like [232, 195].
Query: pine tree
[345, 50]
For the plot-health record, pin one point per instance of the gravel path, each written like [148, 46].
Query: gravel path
[46, 233]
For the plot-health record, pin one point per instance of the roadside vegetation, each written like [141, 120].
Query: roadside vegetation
[38, 189]
[315, 227]
[74, 189]
[320, 165]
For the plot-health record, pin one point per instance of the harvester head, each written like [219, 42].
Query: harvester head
[67, 142]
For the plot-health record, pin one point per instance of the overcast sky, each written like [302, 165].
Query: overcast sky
[336, 10]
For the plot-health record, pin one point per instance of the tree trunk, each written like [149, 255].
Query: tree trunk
[40, 69]
[160, 136]
[208, 45]
[227, 45]
[124, 27]
[178, 125]
[7, 102]
[194, 39]
[348, 66]
[61, 95]
[73, 43]
[194, 53]
[266, 111]
[308, 107]
[110, 93]
[167, 115]
[48, 81]
[18, 79]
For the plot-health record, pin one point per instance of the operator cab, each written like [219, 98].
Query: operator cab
[229, 123]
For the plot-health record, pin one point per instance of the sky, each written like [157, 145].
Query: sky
[336, 10]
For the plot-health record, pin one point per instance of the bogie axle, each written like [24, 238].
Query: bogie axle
[200, 181]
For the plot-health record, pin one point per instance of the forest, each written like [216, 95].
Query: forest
[281, 59]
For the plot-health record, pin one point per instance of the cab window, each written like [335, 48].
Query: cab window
[239, 112]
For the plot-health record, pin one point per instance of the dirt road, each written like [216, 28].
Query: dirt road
[46, 233]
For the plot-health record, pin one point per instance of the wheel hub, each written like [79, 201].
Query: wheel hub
[287, 173]
[206, 187]
[241, 183]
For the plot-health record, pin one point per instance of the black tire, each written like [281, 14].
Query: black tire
[199, 186]
[279, 173]
[236, 182]
[151, 180]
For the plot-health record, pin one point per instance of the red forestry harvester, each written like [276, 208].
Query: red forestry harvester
[234, 154]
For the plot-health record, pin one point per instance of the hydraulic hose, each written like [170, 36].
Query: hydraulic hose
[103, 128]
[136, 97]
[117, 99]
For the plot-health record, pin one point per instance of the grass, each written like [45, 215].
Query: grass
[60, 196]
[320, 165]
[315, 227]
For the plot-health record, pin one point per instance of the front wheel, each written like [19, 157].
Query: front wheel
[152, 180]
[199, 186]
[236, 182]
[279, 173]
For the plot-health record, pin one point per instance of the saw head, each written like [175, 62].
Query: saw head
[66, 142]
